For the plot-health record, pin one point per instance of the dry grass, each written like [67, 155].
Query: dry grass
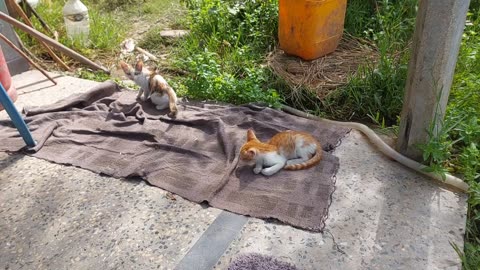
[323, 75]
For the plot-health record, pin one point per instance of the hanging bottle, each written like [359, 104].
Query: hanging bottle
[75, 14]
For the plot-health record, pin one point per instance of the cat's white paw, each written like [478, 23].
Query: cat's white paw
[257, 170]
[268, 171]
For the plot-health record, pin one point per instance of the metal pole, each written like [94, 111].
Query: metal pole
[16, 117]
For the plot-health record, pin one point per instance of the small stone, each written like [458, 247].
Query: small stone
[173, 33]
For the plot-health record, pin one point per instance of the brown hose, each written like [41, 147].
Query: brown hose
[386, 149]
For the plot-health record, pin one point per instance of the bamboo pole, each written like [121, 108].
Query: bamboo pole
[27, 21]
[26, 58]
[40, 19]
[31, 55]
[53, 43]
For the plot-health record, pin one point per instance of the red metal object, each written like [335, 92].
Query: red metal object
[6, 79]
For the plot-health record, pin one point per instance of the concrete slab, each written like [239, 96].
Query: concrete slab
[35, 90]
[173, 33]
[383, 216]
[60, 217]
[213, 243]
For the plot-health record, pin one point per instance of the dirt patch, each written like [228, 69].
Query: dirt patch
[325, 74]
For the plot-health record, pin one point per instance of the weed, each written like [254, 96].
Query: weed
[226, 47]
[457, 146]
[111, 5]
[105, 31]
[156, 13]
[152, 40]
[210, 81]
[91, 75]
[376, 90]
[360, 17]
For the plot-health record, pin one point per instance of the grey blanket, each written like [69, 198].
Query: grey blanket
[195, 155]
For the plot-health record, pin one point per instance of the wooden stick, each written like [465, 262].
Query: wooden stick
[27, 21]
[32, 56]
[53, 43]
[40, 19]
[26, 58]
[151, 56]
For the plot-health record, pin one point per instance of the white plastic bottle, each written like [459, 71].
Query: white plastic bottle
[77, 23]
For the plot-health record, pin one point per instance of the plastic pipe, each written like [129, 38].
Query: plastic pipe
[16, 117]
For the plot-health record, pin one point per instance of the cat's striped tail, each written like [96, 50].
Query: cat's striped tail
[309, 163]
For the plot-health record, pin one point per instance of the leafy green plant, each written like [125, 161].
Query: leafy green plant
[225, 50]
[253, 23]
[211, 82]
[91, 75]
[470, 159]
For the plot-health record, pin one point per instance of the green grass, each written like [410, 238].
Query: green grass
[152, 41]
[458, 147]
[376, 90]
[91, 75]
[225, 52]
[110, 23]
[157, 13]
[106, 31]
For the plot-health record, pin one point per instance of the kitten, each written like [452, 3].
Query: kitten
[290, 150]
[152, 86]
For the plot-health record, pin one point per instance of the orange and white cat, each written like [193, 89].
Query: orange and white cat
[152, 86]
[289, 150]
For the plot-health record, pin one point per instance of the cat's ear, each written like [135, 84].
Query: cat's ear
[251, 153]
[125, 67]
[251, 135]
[139, 66]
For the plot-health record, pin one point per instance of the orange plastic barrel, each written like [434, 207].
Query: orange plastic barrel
[310, 28]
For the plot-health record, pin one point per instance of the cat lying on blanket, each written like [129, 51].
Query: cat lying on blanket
[290, 150]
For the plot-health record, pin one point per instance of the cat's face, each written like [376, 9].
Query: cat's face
[249, 151]
[131, 72]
